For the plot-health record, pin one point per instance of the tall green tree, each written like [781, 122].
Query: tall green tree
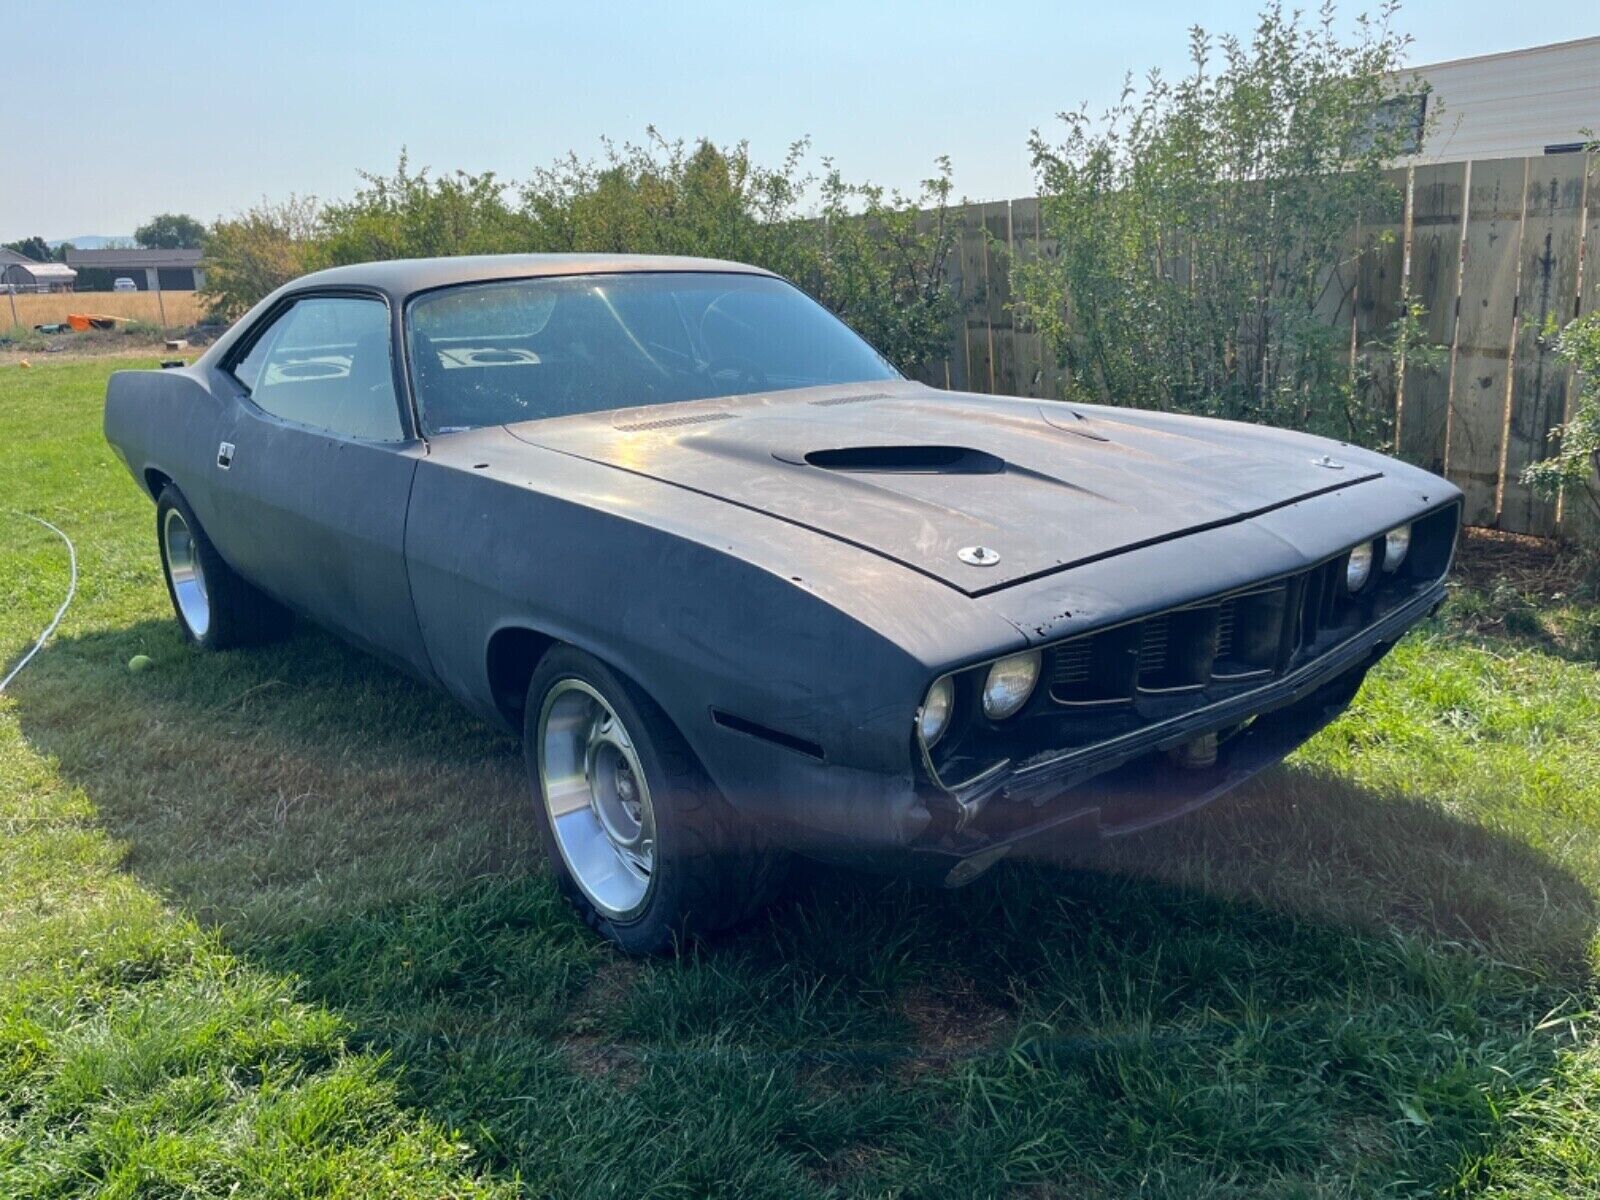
[1204, 224]
[34, 247]
[171, 231]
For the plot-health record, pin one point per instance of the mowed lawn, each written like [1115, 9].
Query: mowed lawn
[272, 924]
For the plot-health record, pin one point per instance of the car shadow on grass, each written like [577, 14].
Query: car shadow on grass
[1306, 982]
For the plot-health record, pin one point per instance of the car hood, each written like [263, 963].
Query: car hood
[978, 492]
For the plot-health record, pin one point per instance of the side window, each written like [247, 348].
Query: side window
[325, 363]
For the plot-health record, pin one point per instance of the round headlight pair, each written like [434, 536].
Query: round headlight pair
[1005, 690]
[1358, 567]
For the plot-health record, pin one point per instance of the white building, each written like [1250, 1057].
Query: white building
[18, 273]
[1511, 105]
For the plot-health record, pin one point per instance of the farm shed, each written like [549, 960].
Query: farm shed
[22, 274]
[1509, 105]
[150, 270]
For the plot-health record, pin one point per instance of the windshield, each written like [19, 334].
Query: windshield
[497, 353]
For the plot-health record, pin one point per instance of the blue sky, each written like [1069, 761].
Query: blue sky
[120, 110]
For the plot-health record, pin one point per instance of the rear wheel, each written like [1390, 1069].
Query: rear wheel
[215, 608]
[640, 840]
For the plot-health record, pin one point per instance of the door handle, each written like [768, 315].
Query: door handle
[225, 455]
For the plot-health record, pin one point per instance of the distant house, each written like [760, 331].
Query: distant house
[1515, 104]
[20, 273]
[150, 270]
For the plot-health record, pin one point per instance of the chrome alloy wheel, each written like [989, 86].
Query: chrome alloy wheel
[183, 567]
[597, 799]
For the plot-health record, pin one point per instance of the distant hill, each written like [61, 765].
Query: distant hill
[95, 241]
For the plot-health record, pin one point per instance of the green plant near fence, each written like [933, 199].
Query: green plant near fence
[1569, 473]
[1202, 226]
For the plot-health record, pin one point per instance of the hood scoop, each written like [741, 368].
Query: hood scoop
[904, 460]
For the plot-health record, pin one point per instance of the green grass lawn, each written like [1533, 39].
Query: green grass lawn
[272, 924]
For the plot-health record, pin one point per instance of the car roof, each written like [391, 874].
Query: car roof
[402, 277]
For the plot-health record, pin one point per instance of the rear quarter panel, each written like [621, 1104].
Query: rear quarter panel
[165, 422]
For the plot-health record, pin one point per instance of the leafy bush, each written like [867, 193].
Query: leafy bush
[864, 252]
[257, 251]
[1570, 470]
[410, 215]
[868, 254]
[1200, 225]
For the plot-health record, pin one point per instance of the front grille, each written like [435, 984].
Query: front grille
[1106, 684]
[1226, 613]
[1236, 637]
[1244, 636]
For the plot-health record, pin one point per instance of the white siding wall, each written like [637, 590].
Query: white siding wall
[1514, 104]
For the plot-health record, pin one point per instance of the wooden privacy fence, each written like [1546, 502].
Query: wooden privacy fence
[1493, 249]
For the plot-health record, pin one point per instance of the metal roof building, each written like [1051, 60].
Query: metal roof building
[20, 273]
[1510, 105]
[150, 270]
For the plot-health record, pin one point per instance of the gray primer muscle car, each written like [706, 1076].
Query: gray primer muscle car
[744, 590]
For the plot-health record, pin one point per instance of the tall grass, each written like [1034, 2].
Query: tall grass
[181, 308]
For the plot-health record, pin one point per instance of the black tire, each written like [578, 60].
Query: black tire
[237, 614]
[712, 869]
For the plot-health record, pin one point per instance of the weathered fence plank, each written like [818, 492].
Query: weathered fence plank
[997, 227]
[974, 299]
[1552, 236]
[1380, 287]
[1032, 353]
[1480, 379]
[1437, 194]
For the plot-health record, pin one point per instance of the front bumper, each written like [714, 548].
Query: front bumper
[1137, 795]
[1127, 784]
[1098, 791]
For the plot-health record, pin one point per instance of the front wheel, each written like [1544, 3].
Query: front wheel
[639, 839]
[215, 608]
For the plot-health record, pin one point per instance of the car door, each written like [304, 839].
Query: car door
[314, 471]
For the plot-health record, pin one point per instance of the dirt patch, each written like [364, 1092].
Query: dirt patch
[952, 1018]
[589, 1052]
[1531, 566]
[75, 347]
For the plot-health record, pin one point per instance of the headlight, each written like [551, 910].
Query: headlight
[1395, 544]
[1009, 685]
[1358, 568]
[933, 718]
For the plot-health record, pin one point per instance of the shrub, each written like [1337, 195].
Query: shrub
[1570, 470]
[410, 215]
[864, 252]
[259, 250]
[1200, 224]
